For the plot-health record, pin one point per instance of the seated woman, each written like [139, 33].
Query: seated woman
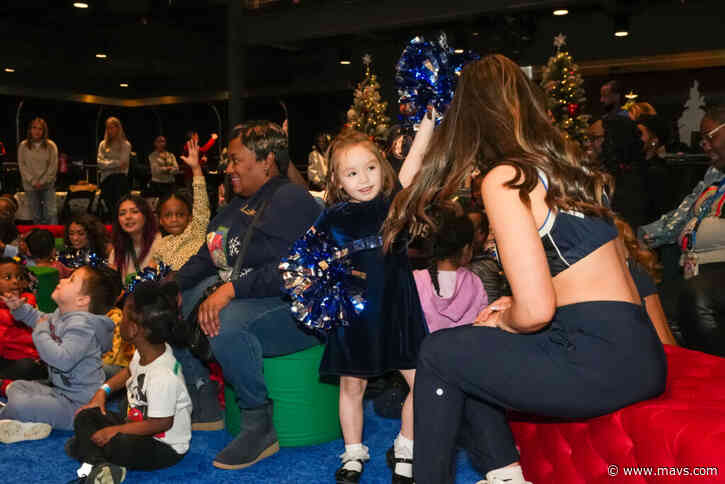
[182, 219]
[134, 237]
[245, 317]
[697, 226]
[86, 232]
[574, 318]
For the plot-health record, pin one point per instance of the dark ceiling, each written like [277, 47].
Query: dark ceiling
[179, 47]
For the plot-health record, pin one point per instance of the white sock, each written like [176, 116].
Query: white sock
[508, 475]
[84, 470]
[352, 453]
[403, 449]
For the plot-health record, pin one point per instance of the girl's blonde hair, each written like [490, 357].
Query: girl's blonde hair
[43, 139]
[343, 142]
[121, 132]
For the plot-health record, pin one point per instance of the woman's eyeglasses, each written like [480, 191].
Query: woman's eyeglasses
[708, 137]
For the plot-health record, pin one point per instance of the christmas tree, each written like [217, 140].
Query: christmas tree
[367, 113]
[562, 81]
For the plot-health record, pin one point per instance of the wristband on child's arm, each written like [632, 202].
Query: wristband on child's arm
[106, 389]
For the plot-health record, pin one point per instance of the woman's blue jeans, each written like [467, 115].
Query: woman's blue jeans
[250, 329]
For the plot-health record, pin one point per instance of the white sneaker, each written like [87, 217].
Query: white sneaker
[12, 431]
[506, 475]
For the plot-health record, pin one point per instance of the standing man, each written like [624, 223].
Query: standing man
[611, 99]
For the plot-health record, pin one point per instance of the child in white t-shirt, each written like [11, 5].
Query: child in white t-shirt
[157, 429]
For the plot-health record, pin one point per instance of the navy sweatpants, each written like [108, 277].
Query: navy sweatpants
[593, 359]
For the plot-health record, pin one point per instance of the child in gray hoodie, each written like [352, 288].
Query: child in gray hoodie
[70, 341]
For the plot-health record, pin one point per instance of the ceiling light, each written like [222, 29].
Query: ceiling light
[345, 57]
[101, 56]
[561, 11]
[458, 51]
[621, 25]
[475, 34]
[80, 5]
[124, 84]
[9, 69]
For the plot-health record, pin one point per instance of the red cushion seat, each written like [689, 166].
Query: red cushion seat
[684, 428]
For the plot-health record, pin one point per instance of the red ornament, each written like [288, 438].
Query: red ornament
[407, 109]
[573, 109]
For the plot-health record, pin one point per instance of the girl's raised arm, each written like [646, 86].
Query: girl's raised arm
[414, 160]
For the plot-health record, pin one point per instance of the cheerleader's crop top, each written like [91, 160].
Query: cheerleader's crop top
[569, 236]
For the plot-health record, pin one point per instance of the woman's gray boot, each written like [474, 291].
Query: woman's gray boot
[256, 441]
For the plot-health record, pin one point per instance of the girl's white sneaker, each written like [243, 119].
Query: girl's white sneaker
[505, 475]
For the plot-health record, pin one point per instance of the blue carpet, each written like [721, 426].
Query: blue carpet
[45, 461]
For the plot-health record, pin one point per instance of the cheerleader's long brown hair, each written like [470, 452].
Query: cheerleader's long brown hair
[640, 253]
[497, 117]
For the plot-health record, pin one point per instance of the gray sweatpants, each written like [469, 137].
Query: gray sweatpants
[31, 401]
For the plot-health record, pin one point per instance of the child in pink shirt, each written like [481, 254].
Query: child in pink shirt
[450, 294]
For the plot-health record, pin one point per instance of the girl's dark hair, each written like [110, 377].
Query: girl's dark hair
[181, 194]
[153, 306]
[40, 243]
[485, 227]
[454, 233]
[95, 231]
[121, 241]
[189, 134]
[8, 231]
[24, 272]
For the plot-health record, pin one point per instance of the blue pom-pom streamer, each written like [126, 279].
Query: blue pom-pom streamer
[325, 290]
[426, 74]
[75, 258]
[156, 274]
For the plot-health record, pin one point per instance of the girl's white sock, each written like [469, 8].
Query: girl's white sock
[353, 452]
[403, 448]
[84, 470]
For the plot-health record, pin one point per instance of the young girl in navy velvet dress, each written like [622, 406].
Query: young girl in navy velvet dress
[386, 335]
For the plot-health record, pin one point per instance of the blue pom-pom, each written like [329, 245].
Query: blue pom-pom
[75, 258]
[156, 274]
[426, 74]
[319, 279]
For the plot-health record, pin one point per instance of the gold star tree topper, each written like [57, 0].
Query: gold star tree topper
[559, 41]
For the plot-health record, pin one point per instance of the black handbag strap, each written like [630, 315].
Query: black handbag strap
[248, 236]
